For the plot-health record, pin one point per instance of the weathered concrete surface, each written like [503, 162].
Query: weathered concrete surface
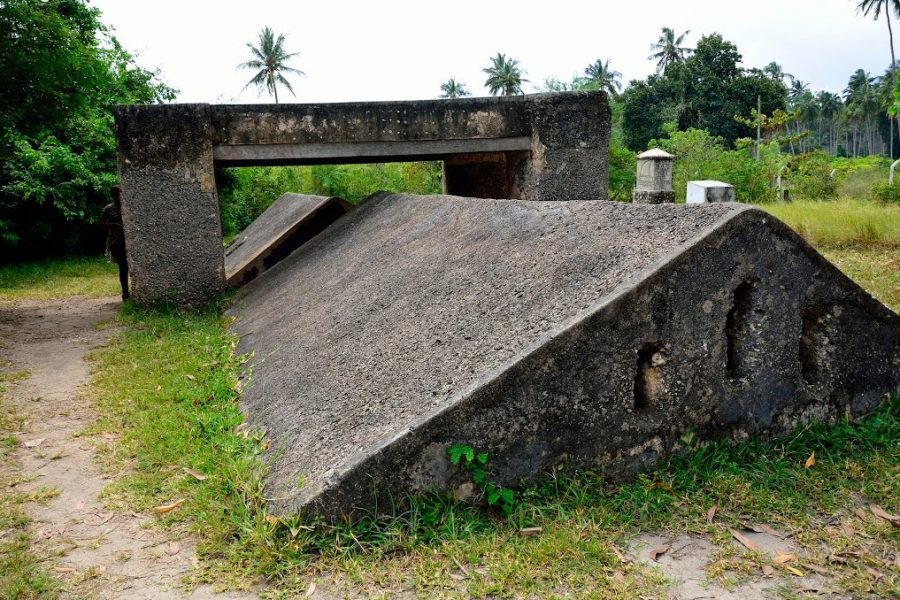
[287, 224]
[700, 192]
[540, 147]
[170, 209]
[593, 334]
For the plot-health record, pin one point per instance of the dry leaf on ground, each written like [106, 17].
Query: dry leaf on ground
[530, 531]
[795, 571]
[34, 443]
[747, 542]
[173, 549]
[311, 589]
[810, 461]
[168, 507]
[881, 514]
[763, 528]
[711, 513]
[658, 551]
[195, 474]
[784, 558]
[64, 570]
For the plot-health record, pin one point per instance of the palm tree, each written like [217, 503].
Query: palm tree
[830, 108]
[504, 75]
[669, 49]
[876, 6]
[270, 61]
[454, 89]
[600, 76]
[797, 89]
[776, 72]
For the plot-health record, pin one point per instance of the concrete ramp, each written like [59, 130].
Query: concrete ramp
[590, 334]
[287, 224]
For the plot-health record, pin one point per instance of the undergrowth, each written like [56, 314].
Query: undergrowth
[168, 386]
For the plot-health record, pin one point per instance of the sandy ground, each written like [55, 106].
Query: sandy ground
[95, 552]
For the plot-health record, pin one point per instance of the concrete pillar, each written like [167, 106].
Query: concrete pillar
[170, 209]
[569, 157]
[654, 178]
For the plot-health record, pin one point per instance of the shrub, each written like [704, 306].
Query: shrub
[811, 178]
[885, 193]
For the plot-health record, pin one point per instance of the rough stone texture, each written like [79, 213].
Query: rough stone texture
[170, 209]
[593, 334]
[701, 192]
[287, 224]
[550, 147]
[648, 197]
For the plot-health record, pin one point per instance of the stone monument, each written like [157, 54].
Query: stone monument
[654, 178]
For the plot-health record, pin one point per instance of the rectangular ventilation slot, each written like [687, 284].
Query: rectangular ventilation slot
[814, 343]
[648, 379]
[736, 328]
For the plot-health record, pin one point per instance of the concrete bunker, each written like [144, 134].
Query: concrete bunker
[593, 334]
[541, 147]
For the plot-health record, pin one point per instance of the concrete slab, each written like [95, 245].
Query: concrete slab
[593, 334]
[287, 224]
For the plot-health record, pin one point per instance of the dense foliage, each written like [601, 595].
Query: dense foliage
[62, 71]
[704, 91]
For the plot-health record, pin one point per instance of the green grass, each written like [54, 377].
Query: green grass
[93, 277]
[167, 386]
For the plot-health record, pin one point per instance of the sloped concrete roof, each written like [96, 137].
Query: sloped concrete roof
[290, 221]
[372, 340]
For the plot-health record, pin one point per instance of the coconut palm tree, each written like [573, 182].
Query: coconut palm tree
[776, 72]
[504, 75]
[270, 61]
[876, 6]
[668, 49]
[830, 108]
[454, 89]
[600, 76]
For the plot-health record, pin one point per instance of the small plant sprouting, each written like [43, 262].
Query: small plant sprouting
[476, 462]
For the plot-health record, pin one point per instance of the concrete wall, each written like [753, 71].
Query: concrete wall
[542, 147]
[590, 334]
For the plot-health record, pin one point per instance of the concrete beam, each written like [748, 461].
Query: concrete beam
[236, 155]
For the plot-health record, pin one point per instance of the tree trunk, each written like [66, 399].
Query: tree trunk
[887, 17]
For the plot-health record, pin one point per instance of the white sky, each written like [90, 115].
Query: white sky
[399, 49]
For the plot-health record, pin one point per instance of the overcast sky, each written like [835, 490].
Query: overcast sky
[395, 50]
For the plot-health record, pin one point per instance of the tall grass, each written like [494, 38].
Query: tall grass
[841, 223]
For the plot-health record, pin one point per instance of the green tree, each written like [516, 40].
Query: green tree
[505, 77]
[270, 62]
[453, 89]
[600, 76]
[62, 71]
[668, 49]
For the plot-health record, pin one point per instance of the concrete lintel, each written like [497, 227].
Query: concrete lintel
[390, 151]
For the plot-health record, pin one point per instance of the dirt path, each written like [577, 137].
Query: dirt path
[95, 552]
